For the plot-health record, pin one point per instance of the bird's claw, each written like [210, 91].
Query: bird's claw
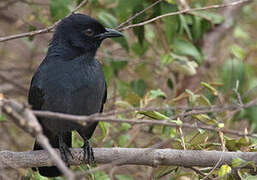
[65, 153]
[88, 153]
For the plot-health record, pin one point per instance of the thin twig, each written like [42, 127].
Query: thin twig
[25, 119]
[48, 29]
[40, 31]
[137, 14]
[184, 11]
[217, 164]
[237, 93]
[83, 119]
[198, 172]
[92, 118]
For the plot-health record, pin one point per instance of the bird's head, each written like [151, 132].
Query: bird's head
[82, 32]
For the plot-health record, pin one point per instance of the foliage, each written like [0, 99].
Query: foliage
[152, 66]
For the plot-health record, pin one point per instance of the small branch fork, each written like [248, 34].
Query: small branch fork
[50, 28]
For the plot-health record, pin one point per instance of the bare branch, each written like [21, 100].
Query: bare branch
[26, 120]
[183, 12]
[48, 29]
[93, 118]
[40, 31]
[136, 156]
[137, 14]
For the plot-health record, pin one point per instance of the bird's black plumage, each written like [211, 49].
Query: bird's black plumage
[70, 80]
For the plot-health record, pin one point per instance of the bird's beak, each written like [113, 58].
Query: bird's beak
[109, 33]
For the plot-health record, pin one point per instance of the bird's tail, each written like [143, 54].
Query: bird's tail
[52, 171]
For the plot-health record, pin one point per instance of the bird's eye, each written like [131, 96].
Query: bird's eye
[89, 32]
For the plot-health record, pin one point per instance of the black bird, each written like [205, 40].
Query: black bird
[70, 80]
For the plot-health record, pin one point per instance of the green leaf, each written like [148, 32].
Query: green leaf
[185, 26]
[101, 175]
[197, 30]
[76, 141]
[39, 177]
[178, 121]
[60, 8]
[240, 163]
[204, 101]
[211, 88]
[107, 19]
[249, 177]
[140, 49]
[123, 177]
[166, 59]
[184, 66]
[140, 30]
[133, 98]
[117, 65]
[232, 71]
[251, 116]
[216, 18]
[123, 140]
[123, 104]
[3, 118]
[224, 171]
[171, 22]
[238, 52]
[145, 72]
[32, 28]
[205, 119]
[154, 115]
[125, 126]
[123, 42]
[124, 9]
[184, 47]
[240, 33]
[231, 144]
[192, 97]
[153, 94]
[104, 127]
[199, 138]
[123, 88]
[138, 87]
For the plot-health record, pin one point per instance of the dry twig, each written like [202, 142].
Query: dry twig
[40, 31]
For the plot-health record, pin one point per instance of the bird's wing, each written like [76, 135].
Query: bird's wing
[36, 96]
[104, 98]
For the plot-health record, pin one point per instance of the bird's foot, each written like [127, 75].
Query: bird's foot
[88, 153]
[65, 153]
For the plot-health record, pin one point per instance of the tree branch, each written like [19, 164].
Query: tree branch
[48, 29]
[137, 14]
[25, 119]
[40, 31]
[134, 156]
[96, 118]
[183, 12]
